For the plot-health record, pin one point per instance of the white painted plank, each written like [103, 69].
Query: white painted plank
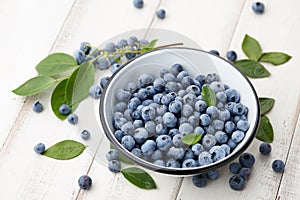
[283, 85]
[209, 23]
[43, 178]
[28, 30]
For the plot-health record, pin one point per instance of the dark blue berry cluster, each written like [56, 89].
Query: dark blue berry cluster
[153, 114]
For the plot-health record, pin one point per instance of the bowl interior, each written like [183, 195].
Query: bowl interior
[195, 62]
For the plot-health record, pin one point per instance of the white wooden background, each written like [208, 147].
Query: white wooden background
[32, 29]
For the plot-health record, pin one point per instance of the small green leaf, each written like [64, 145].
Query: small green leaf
[139, 178]
[78, 87]
[34, 85]
[266, 104]
[69, 86]
[55, 64]
[276, 58]
[150, 47]
[251, 48]
[265, 130]
[65, 150]
[209, 96]
[58, 98]
[191, 138]
[252, 69]
[153, 43]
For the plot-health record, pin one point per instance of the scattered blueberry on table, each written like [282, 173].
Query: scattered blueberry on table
[72, 118]
[138, 3]
[85, 182]
[64, 109]
[258, 7]
[278, 166]
[215, 52]
[236, 182]
[231, 55]
[161, 13]
[265, 148]
[85, 135]
[37, 107]
[39, 148]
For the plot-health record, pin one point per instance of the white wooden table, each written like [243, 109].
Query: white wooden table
[32, 29]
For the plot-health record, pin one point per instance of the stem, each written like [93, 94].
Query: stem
[169, 45]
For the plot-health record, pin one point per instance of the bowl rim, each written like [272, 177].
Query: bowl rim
[177, 171]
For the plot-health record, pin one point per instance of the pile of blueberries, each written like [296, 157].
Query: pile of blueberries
[152, 116]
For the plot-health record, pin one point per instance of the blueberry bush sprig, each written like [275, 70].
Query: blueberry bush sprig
[73, 76]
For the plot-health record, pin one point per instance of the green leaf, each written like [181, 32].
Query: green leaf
[209, 96]
[65, 150]
[265, 130]
[55, 64]
[252, 69]
[191, 138]
[153, 43]
[34, 85]
[139, 178]
[266, 104]
[58, 98]
[276, 58]
[79, 83]
[150, 47]
[251, 48]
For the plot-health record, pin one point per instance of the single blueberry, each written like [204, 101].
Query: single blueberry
[37, 107]
[72, 118]
[115, 67]
[181, 75]
[157, 155]
[103, 82]
[161, 13]
[212, 111]
[229, 127]
[148, 147]
[95, 91]
[138, 3]
[231, 55]
[226, 148]
[186, 128]
[208, 141]
[217, 86]
[189, 163]
[64, 109]
[85, 47]
[235, 167]
[176, 153]
[214, 52]
[102, 63]
[187, 110]
[278, 166]
[132, 41]
[122, 43]
[137, 152]
[177, 140]
[211, 78]
[85, 135]
[213, 175]
[114, 166]
[205, 158]
[221, 137]
[85, 182]
[217, 153]
[176, 68]
[128, 128]
[217, 124]
[200, 106]
[245, 173]
[242, 125]
[110, 47]
[237, 136]
[128, 142]
[173, 163]
[247, 160]
[265, 148]
[79, 56]
[112, 154]
[200, 180]
[236, 182]
[39, 148]
[204, 119]
[140, 135]
[258, 7]
[197, 149]
[169, 120]
[175, 107]
[232, 95]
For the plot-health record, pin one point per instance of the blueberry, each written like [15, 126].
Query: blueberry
[95, 91]
[148, 147]
[185, 128]
[121, 107]
[138, 123]
[193, 120]
[169, 120]
[176, 153]
[150, 126]
[173, 163]
[278, 166]
[112, 154]
[209, 130]
[221, 137]
[85, 47]
[265, 148]
[138, 3]
[137, 152]
[177, 140]
[204, 119]
[224, 115]
[217, 86]
[128, 128]
[115, 67]
[85, 182]
[148, 113]
[217, 124]
[122, 95]
[187, 81]
[200, 180]
[211, 78]
[212, 111]
[175, 107]
[102, 63]
[128, 142]
[201, 79]
[104, 81]
[245, 173]
[221, 96]
[119, 134]
[237, 136]
[247, 160]
[231, 56]
[213, 175]
[181, 75]
[161, 129]
[229, 127]
[130, 55]
[168, 77]
[132, 41]
[157, 155]
[200, 106]
[205, 158]
[163, 142]
[122, 43]
[140, 135]
[144, 42]
[72, 118]
[226, 148]
[214, 52]
[182, 120]
[79, 56]
[173, 132]
[110, 47]
[114, 166]
[217, 153]
[134, 103]
[64, 109]
[189, 99]
[242, 125]
[119, 122]
[236, 182]
[161, 13]
[39, 148]
[85, 135]
[229, 106]
[159, 84]
[238, 109]
[199, 130]
[197, 149]
[231, 144]
[163, 72]
[232, 95]
[145, 79]
[258, 7]
[189, 163]
[193, 89]
[176, 68]
[157, 98]
[208, 141]
[37, 107]
[159, 162]
[187, 110]
[235, 167]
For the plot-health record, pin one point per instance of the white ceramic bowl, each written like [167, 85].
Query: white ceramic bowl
[194, 62]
